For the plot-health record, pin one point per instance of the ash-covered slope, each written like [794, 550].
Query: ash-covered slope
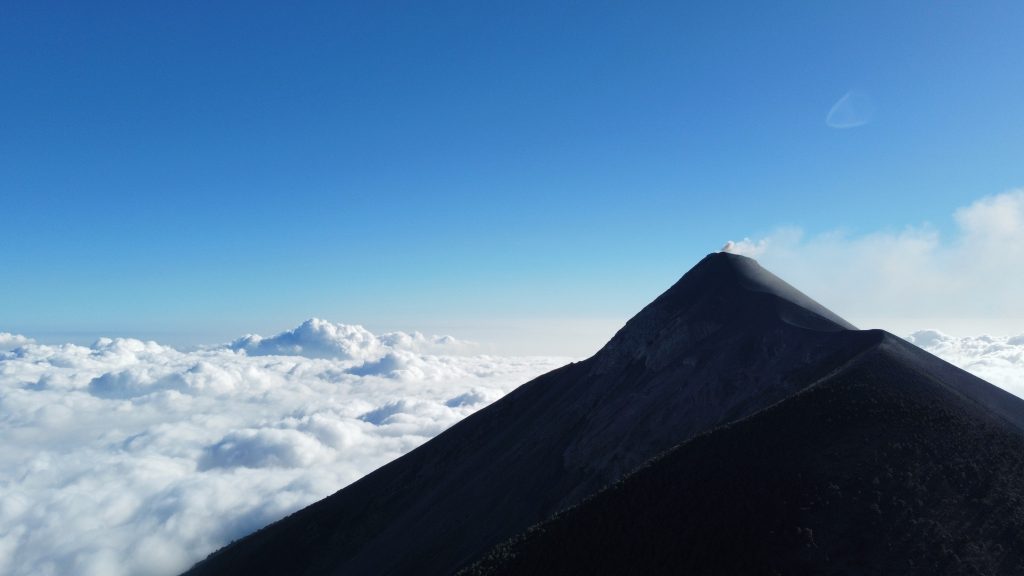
[726, 341]
[896, 463]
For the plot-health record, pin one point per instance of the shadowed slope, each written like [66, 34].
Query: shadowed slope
[897, 463]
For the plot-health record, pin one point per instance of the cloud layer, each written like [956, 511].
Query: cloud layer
[914, 273]
[1000, 360]
[128, 457]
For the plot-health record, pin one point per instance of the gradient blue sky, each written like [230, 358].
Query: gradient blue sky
[520, 173]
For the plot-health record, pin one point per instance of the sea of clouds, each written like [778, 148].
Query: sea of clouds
[129, 457]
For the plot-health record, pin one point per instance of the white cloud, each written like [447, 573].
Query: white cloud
[914, 277]
[316, 338]
[9, 341]
[128, 457]
[1000, 360]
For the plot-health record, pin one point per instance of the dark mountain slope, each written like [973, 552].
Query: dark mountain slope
[725, 341]
[897, 463]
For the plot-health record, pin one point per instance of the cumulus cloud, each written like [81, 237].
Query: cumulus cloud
[1000, 360]
[316, 338]
[8, 340]
[914, 276]
[129, 457]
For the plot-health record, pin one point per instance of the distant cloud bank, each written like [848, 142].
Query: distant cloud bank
[1000, 360]
[129, 457]
[913, 273]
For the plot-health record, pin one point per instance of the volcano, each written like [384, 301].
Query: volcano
[734, 425]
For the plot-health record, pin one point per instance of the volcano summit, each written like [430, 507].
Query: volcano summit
[734, 425]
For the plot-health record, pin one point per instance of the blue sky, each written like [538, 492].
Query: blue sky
[521, 173]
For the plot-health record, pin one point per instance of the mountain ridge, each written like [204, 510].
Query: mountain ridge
[726, 341]
[874, 469]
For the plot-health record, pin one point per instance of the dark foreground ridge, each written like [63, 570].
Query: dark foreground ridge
[881, 468]
[723, 344]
